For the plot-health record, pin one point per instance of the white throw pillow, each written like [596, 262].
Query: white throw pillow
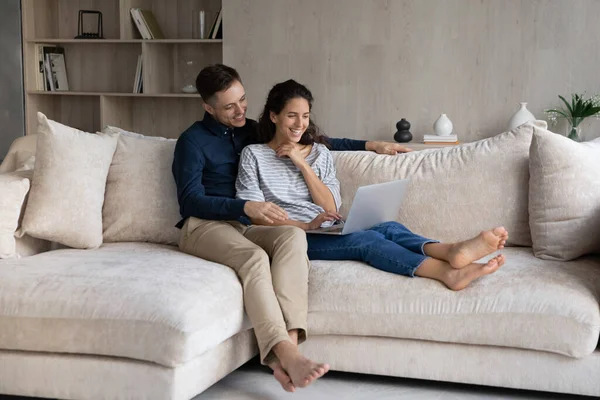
[67, 191]
[564, 196]
[13, 191]
[141, 204]
[456, 192]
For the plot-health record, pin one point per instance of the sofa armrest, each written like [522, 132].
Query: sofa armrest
[14, 187]
[19, 152]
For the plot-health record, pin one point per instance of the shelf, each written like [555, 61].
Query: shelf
[101, 72]
[113, 94]
[117, 41]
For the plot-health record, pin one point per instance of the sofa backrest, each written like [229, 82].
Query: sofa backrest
[456, 192]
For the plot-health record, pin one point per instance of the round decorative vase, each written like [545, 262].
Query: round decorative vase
[403, 135]
[520, 117]
[443, 126]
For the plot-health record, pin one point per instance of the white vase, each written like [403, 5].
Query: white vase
[520, 117]
[443, 126]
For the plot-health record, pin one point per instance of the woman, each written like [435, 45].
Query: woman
[294, 169]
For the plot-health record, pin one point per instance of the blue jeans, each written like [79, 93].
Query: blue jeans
[389, 247]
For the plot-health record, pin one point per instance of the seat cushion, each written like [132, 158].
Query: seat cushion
[529, 303]
[137, 300]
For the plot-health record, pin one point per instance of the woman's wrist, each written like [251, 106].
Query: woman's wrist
[303, 166]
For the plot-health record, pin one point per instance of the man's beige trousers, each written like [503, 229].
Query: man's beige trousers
[272, 265]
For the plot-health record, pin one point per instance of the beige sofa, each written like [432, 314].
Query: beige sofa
[133, 320]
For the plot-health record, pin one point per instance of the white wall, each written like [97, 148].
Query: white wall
[371, 62]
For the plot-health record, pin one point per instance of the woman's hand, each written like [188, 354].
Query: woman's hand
[323, 217]
[292, 151]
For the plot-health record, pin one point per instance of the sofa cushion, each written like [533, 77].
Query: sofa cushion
[67, 190]
[140, 204]
[13, 188]
[456, 192]
[136, 300]
[529, 303]
[564, 196]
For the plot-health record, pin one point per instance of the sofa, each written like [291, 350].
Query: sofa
[116, 311]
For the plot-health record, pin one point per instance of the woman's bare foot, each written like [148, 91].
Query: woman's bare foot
[464, 253]
[282, 377]
[458, 279]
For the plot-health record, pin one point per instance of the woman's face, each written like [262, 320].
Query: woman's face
[292, 121]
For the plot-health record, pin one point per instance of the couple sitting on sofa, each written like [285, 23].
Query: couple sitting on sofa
[287, 185]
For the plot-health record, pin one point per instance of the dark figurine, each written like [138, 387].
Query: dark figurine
[98, 34]
[403, 135]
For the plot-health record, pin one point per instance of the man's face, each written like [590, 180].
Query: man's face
[229, 106]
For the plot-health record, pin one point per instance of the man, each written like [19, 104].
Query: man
[271, 261]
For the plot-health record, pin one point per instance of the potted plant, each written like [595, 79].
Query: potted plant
[575, 112]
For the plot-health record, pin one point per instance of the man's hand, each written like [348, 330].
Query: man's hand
[386, 148]
[262, 211]
[323, 217]
[291, 150]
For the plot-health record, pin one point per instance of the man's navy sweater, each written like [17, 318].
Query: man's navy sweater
[205, 168]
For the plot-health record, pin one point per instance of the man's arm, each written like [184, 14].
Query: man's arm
[346, 144]
[386, 148]
[188, 165]
[358, 145]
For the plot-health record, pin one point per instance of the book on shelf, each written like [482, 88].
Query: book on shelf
[139, 77]
[136, 16]
[212, 26]
[151, 24]
[216, 30]
[40, 76]
[146, 23]
[52, 68]
[450, 139]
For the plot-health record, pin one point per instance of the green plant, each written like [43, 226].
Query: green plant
[575, 112]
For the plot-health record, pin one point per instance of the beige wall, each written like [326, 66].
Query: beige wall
[371, 62]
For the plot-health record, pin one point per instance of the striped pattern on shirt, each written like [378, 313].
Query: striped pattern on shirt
[263, 176]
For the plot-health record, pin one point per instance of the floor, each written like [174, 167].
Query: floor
[253, 382]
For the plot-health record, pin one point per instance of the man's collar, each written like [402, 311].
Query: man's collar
[215, 126]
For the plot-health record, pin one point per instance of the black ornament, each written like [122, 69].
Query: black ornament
[403, 135]
[98, 34]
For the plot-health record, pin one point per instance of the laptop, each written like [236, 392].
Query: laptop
[372, 205]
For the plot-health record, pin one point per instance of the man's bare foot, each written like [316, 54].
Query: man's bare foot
[458, 279]
[303, 371]
[464, 253]
[282, 377]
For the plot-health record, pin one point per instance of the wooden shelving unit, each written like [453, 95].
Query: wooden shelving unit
[101, 72]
